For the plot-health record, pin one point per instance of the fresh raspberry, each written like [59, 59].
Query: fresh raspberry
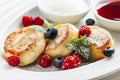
[38, 21]
[65, 66]
[78, 59]
[13, 61]
[27, 20]
[45, 61]
[84, 30]
[71, 62]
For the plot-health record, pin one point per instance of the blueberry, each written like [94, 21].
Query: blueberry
[108, 51]
[90, 21]
[58, 62]
[51, 33]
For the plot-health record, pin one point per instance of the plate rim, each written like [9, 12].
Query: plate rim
[54, 75]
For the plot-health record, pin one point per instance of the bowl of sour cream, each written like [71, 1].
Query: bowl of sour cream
[64, 11]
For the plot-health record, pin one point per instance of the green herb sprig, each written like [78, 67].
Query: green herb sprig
[81, 46]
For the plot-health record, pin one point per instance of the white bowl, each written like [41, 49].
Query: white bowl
[72, 18]
[107, 23]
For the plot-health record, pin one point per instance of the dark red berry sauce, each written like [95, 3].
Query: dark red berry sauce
[110, 11]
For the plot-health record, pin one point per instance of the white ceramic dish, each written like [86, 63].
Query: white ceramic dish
[72, 18]
[107, 23]
[94, 70]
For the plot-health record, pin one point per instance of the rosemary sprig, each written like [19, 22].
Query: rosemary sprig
[81, 46]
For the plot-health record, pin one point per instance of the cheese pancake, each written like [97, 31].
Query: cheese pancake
[57, 46]
[101, 39]
[25, 43]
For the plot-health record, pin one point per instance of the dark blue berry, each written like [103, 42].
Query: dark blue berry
[108, 51]
[58, 62]
[51, 33]
[90, 21]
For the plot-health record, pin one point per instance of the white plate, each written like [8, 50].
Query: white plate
[94, 70]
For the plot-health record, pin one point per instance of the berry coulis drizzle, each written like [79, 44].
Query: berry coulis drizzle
[110, 11]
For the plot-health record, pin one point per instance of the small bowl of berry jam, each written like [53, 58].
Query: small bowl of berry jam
[108, 14]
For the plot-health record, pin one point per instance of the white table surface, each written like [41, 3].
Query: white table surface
[5, 4]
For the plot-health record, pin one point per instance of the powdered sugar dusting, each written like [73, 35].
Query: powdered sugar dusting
[62, 34]
[99, 37]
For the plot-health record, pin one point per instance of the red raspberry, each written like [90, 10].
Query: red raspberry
[65, 66]
[78, 59]
[38, 21]
[13, 61]
[45, 61]
[27, 20]
[84, 30]
[71, 62]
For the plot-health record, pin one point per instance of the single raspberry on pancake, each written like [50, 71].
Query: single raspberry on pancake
[84, 30]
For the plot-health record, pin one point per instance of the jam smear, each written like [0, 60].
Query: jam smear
[110, 11]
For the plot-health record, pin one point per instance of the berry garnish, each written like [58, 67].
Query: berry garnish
[84, 30]
[13, 61]
[51, 33]
[27, 20]
[78, 59]
[90, 21]
[71, 62]
[58, 62]
[45, 61]
[108, 51]
[38, 21]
